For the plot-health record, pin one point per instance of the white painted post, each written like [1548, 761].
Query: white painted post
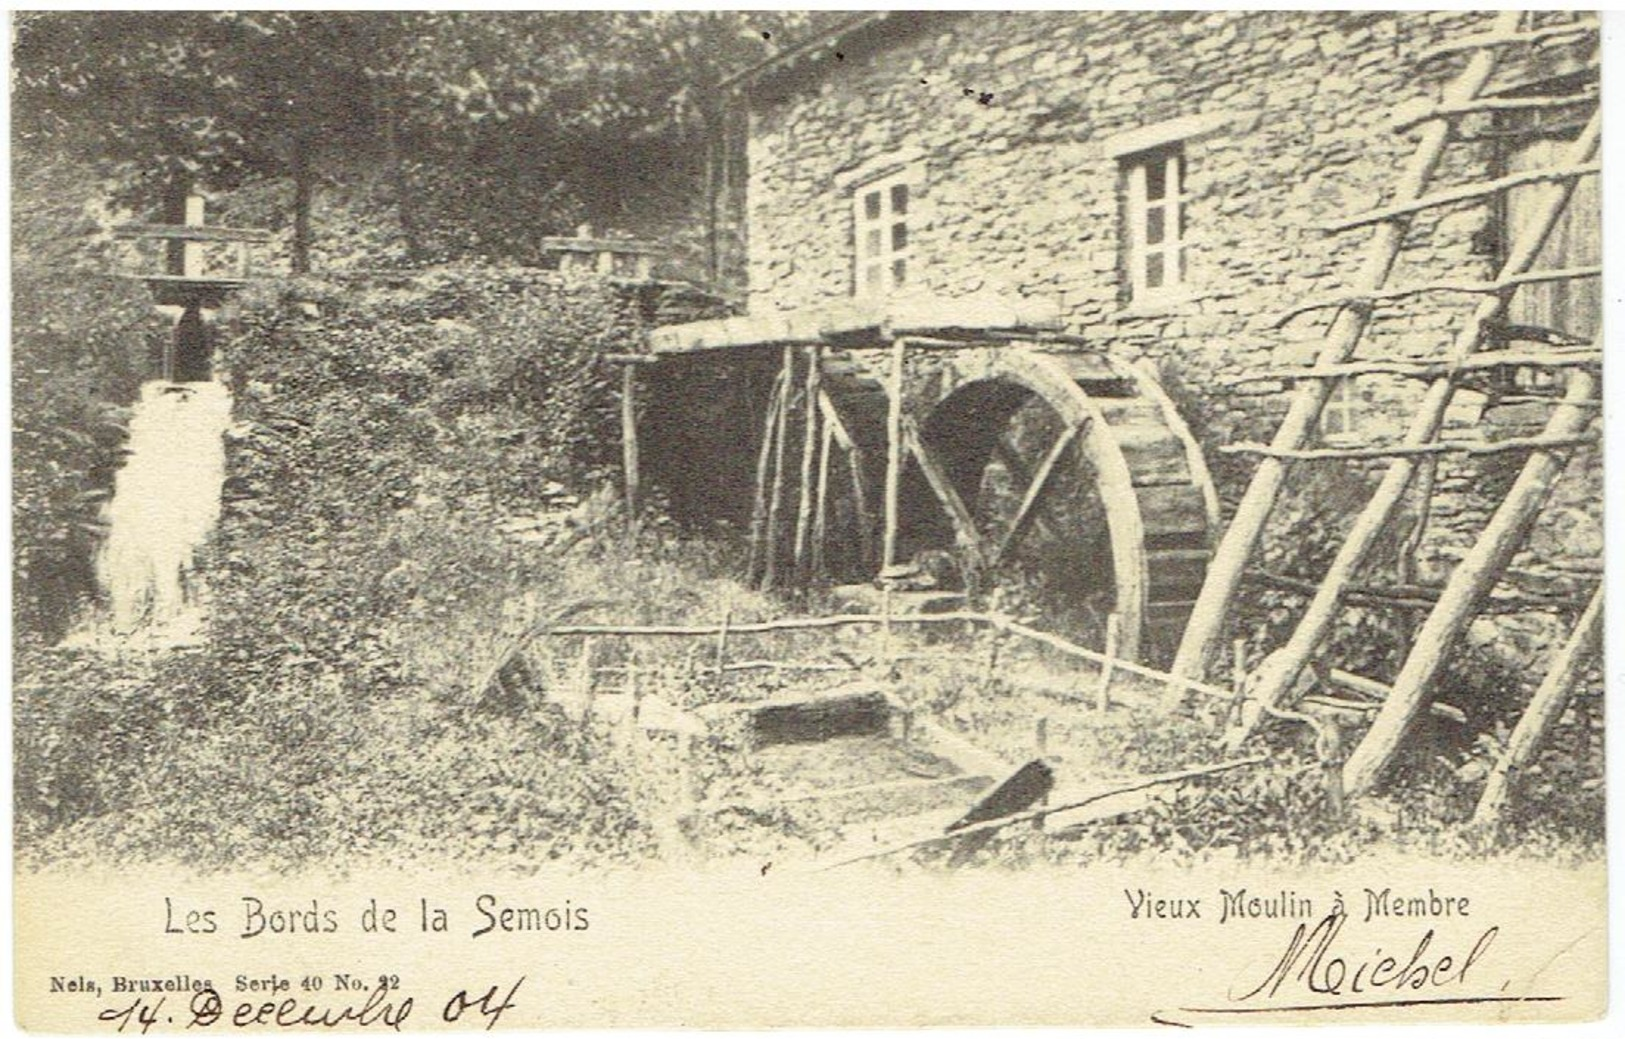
[192, 252]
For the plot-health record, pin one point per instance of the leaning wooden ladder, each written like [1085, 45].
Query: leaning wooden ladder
[1566, 427]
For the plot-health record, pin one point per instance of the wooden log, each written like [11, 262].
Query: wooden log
[1537, 443]
[1103, 688]
[1480, 288]
[809, 448]
[820, 531]
[1019, 473]
[959, 514]
[1280, 671]
[1562, 357]
[1545, 708]
[775, 502]
[1207, 619]
[1465, 193]
[1145, 783]
[764, 457]
[629, 444]
[1034, 493]
[894, 452]
[1498, 37]
[1478, 105]
[856, 467]
[1469, 582]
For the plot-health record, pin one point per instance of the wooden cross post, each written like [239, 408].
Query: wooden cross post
[629, 442]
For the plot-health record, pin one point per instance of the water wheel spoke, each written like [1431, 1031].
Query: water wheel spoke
[969, 538]
[1036, 485]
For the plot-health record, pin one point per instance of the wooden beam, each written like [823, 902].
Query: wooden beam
[1469, 582]
[1482, 288]
[1280, 670]
[1491, 104]
[820, 531]
[1035, 491]
[1016, 466]
[894, 452]
[629, 443]
[781, 432]
[856, 464]
[188, 233]
[764, 458]
[1206, 625]
[1499, 37]
[965, 533]
[1555, 357]
[1465, 193]
[1536, 443]
[1544, 709]
[809, 448]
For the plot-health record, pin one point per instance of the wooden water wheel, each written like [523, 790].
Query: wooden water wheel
[1073, 465]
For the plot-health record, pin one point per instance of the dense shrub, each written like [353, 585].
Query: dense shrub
[79, 343]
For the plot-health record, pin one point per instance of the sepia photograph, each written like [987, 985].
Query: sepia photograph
[1136, 471]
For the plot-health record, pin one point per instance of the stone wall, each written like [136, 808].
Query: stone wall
[1011, 120]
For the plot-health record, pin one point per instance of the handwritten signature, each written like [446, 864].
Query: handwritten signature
[380, 1009]
[1311, 962]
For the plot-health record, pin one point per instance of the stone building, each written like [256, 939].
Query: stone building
[1158, 183]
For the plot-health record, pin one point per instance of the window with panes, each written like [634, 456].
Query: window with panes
[880, 215]
[1156, 222]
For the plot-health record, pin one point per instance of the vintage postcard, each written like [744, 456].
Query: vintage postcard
[718, 519]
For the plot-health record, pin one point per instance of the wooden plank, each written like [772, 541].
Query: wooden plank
[1153, 453]
[1203, 632]
[1545, 708]
[1172, 509]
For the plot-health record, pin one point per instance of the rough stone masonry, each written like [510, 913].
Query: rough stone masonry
[1017, 134]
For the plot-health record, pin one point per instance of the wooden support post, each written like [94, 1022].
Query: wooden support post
[856, 467]
[1103, 699]
[1238, 680]
[820, 531]
[629, 443]
[781, 432]
[722, 645]
[1280, 670]
[584, 676]
[1469, 582]
[894, 452]
[1229, 560]
[758, 515]
[1545, 708]
[809, 447]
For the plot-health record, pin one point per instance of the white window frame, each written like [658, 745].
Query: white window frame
[875, 247]
[1340, 417]
[1172, 206]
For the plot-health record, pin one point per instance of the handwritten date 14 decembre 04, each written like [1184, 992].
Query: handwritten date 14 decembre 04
[383, 1007]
